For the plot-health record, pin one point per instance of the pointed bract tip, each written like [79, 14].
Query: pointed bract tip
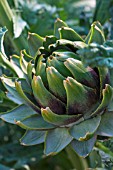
[21, 53]
[38, 77]
[95, 23]
[29, 34]
[58, 20]
[17, 122]
[48, 69]
[66, 80]
[35, 78]
[23, 144]
[44, 110]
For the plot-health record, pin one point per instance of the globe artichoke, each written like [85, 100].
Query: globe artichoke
[60, 101]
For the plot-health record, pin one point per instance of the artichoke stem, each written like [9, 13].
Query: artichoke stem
[103, 148]
[78, 163]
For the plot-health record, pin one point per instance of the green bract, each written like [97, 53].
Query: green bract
[60, 100]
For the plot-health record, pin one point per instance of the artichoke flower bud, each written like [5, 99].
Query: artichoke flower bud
[72, 81]
[62, 100]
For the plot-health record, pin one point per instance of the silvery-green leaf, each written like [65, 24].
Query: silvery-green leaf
[106, 125]
[34, 122]
[86, 129]
[83, 148]
[33, 137]
[96, 55]
[18, 113]
[56, 140]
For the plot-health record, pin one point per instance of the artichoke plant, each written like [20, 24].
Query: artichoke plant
[60, 101]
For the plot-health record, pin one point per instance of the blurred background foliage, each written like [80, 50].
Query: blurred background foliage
[21, 17]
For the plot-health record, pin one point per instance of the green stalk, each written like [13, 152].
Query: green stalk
[78, 162]
[103, 148]
[111, 75]
[7, 20]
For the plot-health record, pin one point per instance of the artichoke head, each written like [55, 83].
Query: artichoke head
[60, 100]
